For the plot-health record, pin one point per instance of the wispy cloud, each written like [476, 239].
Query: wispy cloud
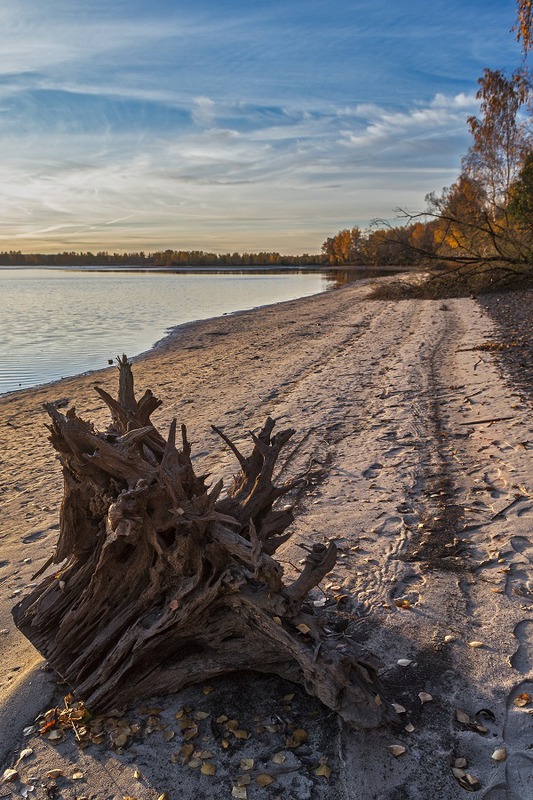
[303, 171]
[228, 124]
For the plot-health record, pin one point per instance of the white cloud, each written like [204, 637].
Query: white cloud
[203, 111]
[442, 120]
[276, 179]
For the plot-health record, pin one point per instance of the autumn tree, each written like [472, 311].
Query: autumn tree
[524, 25]
[520, 205]
[460, 214]
[500, 138]
[343, 248]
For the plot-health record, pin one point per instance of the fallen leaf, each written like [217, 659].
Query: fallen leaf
[277, 620]
[475, 644]
[500, 754]
[241, 734]
[458, 772]
[168, 734]
[54, 773]
[137, 775]
[244, 780]
[190, 733]
[404, 662]
[323, 771]
[10, 775]
[208, 689]
[247, 763]
[174, 605]
[521, 700]
[449, 638]
[462, 716]
[232, 724]
[78, 776]
[120, 740]
[239, 792]
[471, 782]
[477, 726]
[398, 708]
[409, 727]
[201, 715]
[163, 796]
[279, 758]
[208, 768]
[405, 604]
[298, 737]
[425, 697]
[397, 749]
[221, 719]
[288, 697]
[264, 779]
[303, 628]
[194, 762]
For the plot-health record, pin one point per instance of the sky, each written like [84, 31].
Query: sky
[232, 125]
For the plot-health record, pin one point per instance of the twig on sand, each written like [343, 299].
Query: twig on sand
[485, 421]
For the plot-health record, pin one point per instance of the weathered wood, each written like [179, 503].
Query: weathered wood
[161, 582]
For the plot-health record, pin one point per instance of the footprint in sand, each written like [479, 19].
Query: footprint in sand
[514, 781]
[520, 580]
[517, 782]
[522, 659]
[407, 587]
[524, 546]
[32, 537]
[373, 470]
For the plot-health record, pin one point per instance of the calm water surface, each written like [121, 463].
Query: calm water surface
[60, 322]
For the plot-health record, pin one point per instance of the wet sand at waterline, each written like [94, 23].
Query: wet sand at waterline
[424, 450]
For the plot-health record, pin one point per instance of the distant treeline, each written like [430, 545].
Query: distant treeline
[164, 258]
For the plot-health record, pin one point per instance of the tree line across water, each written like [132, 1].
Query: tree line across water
[163, 258]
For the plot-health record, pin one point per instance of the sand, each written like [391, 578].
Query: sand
[426, 483]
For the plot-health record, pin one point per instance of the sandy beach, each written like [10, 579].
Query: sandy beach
[426, 483]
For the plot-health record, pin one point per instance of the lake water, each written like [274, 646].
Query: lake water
[59, 322]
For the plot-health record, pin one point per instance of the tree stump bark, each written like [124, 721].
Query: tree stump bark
[163, 583]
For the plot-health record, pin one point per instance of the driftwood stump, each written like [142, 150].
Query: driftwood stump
[162, 582]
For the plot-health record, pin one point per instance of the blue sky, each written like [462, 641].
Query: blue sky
[232, 125]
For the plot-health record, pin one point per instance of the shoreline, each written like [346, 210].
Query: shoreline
[170, 331]
[389, 402]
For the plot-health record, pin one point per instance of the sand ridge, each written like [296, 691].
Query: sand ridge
[431, 507]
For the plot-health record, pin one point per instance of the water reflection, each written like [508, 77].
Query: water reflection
[337, 277]
[61, 321]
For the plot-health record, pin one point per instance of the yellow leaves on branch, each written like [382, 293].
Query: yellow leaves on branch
[524, 24]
